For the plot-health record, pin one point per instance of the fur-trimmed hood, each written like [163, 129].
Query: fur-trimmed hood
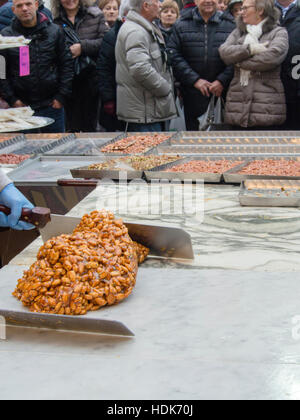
[91, 5]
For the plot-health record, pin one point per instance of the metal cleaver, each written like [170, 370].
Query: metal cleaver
[167, 242]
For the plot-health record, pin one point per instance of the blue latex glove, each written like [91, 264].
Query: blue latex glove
[11, 197]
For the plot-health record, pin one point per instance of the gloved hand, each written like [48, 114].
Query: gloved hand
[258, 48]
[110, 108]
[11, 197]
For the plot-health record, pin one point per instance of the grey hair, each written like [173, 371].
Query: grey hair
[137, 5]
[124, 8]
[271, 12]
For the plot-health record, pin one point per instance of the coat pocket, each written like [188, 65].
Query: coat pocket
[164, 107]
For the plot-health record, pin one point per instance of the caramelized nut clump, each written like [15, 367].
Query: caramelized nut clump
[94, 266]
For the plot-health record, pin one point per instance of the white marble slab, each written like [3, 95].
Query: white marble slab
[199, 334]
[225, 235]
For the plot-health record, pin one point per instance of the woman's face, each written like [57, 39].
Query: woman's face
[250, 15]
[222, 5]
[111, 11]
[236, 10]
[168, 17]
[70, 5]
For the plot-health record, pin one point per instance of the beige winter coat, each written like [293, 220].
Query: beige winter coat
[262, 102]
[144, 82]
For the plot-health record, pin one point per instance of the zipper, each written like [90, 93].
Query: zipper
[206, 43]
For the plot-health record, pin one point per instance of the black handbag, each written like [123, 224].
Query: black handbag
[82, 64]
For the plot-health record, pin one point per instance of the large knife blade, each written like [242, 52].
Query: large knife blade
[167, 242]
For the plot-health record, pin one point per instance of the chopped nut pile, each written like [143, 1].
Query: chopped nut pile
[280, 167]
[94, 266]
[11, 159]
[135, 144]
[212, 166]
[138, 163]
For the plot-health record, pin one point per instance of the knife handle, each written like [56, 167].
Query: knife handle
[38, 216]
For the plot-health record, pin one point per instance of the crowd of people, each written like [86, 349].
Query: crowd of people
[120, 65]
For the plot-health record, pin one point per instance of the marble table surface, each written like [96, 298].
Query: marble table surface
[224, 234]
[226, 326]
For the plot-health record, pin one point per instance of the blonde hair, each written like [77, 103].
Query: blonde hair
[170, 4]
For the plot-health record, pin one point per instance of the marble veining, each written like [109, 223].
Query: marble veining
[224, 235]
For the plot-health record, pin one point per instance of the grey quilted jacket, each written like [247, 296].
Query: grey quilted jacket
[144, 80]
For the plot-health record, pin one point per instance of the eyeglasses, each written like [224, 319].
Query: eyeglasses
[245, 8]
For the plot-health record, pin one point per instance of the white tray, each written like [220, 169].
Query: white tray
[45, 122]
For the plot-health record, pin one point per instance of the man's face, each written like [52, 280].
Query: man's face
[153, 8]
[207, 7]
[25, 10]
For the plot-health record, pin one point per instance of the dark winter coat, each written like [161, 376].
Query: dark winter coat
[166, 32]
[193, 49]
[106, 64]
[51, 66]
[292, 24]
[90, 27]
[7, 15]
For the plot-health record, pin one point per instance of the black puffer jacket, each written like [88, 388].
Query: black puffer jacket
[193, 48]
[106, 64]
[51, 66]
[292, 23]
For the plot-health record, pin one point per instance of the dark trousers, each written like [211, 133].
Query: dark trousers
[144, 128]
[57, 115]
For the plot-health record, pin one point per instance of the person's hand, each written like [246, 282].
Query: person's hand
[18, 104]
[11, 197]
[110, 108]
[258, 48]
[203, 85]
[216, 88]
[56, 104]
[75, 50]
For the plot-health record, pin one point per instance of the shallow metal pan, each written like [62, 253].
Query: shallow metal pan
[160, 173]
[149, 151]
[86, 173]
[250, 150]
[216, 140]
[232, 177]
[264, 197]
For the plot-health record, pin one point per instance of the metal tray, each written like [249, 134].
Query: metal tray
[282, 195]
[131, 174]
[250, 150]
[102, 135]
[214, 139]
[11, 141]
[80, 147]
[86, 173]
[232, 177]
[47, 121]
[22, 146]
[161, 174]
[149, 151]
[48, 169]
[241, 133]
